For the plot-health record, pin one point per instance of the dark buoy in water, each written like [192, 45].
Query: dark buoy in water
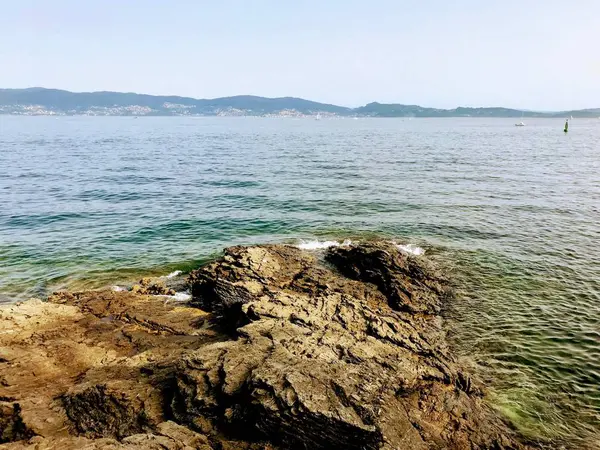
[567, 126]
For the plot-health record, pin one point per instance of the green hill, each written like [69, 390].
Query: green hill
[34, 101]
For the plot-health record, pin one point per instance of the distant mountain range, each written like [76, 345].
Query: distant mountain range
[41, 101]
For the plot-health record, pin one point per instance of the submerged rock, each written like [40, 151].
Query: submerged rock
[279, 348]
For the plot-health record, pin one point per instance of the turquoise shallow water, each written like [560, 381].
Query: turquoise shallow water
[513, 213]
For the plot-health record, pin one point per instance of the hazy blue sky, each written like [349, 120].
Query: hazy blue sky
[542, 54]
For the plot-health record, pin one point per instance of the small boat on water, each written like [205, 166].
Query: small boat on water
[520, 124]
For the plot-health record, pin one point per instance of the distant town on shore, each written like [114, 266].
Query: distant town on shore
[42, 101]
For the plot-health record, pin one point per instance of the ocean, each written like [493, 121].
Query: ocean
[512, 213]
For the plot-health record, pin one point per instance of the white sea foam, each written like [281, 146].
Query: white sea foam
[319, 245]
[178, 297]
[181, 297]
[410, 248]
[174, 274]
[118, 288]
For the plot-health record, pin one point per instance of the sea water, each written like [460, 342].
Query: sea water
[513, 213]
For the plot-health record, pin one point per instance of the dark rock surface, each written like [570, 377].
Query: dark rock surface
[279, 349]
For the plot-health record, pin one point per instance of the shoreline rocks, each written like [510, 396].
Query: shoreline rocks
[279, 348]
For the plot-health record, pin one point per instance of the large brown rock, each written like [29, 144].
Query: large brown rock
[95, 364]
[279, 349]
[350, 356]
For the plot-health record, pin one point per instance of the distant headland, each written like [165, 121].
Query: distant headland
[42, 101]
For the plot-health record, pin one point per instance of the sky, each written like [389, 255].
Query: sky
[531, 54]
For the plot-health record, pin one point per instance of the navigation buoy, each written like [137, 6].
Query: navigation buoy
[567, 126]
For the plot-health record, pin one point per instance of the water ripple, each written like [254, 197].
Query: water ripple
[513, 215]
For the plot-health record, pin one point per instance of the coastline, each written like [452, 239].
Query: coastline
[380, 350]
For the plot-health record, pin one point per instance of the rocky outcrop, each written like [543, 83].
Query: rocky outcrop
[345, 353]
[279, 348]
[92, 364]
